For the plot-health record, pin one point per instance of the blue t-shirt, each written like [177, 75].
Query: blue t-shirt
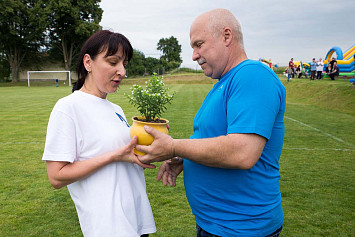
[231, 202]
[313, 66]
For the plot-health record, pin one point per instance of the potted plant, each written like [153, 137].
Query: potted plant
[151, 102]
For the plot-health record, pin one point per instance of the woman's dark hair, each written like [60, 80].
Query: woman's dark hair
[97, 43]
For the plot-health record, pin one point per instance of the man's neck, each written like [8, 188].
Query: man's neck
[237, 57]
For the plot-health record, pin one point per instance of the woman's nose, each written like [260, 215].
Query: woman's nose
[121, 70]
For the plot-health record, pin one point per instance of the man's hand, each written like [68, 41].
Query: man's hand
[161, 149]
[169, 171]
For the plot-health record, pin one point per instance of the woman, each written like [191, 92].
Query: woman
[320, 66]
[329, 69]
[88, 147]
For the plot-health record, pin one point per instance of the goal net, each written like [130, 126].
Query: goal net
[52, 75]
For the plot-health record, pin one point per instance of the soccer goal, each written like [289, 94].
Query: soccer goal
[31, 72]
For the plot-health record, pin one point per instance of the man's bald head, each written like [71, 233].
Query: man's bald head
[217, 20]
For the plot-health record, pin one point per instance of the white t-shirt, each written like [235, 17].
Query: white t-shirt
[320, 66]
[113, 200]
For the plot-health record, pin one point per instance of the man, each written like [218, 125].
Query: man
[334, 72]
[231, 168]
[313, 65]
[332, 62]
[291, 66]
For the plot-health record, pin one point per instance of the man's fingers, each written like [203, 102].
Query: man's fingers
[172, 181]
[165, 178]
[161, 172]
[144, 158]
[142, 148]
[151, 131]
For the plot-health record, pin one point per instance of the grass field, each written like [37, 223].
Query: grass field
[317, 162]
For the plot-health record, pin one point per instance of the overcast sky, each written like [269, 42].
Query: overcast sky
[273, 29]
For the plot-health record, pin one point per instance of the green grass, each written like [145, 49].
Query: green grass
[317, 162]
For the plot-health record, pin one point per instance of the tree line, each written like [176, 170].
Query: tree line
[34, 31]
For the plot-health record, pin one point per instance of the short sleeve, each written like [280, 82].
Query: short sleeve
[254, 102]
[61, 138]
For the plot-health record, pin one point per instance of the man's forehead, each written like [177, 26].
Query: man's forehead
[198, 34]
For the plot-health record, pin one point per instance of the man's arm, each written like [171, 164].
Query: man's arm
[233, 151]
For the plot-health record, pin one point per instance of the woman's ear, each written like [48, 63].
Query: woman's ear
[87, 62]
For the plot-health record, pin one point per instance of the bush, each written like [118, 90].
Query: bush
[151, 101]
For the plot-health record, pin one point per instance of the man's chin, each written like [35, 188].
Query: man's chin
[207, 73]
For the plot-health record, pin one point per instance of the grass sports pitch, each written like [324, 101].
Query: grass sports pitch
[316, 166]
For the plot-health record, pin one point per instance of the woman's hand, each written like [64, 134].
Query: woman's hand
[63, 173]
[126, 154]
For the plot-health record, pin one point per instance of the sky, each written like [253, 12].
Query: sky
[272, 29]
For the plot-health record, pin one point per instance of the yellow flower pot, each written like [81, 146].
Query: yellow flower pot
[144, 138]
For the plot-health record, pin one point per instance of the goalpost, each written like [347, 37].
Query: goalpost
[29, 72]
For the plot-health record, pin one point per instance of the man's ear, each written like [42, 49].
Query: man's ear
[87, 62]
[227, 35]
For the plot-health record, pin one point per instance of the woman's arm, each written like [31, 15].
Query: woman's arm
[61, 174]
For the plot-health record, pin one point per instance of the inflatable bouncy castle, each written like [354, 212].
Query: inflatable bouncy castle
[345, 60]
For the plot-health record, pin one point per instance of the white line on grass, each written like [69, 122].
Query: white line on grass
[316, 129]
[15, 143]
[315, 149]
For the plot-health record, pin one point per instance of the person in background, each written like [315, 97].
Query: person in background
[299, 71]
[291, 66]
[88, 147]
[306, 72]
[334, 71]
[313, 65]
[289, 73]
[332, 62]
[320, 66]
[231, 162]
[286, 73]
[328, 70]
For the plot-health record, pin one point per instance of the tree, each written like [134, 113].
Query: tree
[71, 23]
[22, 27]
[152, 65]
[136, 65]
[171, 51]
[4, 68]
[140, 65]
